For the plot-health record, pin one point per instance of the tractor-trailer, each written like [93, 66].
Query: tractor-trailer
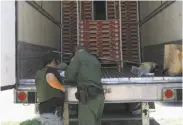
[136, 31]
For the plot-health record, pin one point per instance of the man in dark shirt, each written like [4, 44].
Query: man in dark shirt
[50, 90]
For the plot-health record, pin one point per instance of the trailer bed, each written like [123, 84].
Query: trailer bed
[119, 88]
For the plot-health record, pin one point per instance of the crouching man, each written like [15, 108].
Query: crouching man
[50, 92]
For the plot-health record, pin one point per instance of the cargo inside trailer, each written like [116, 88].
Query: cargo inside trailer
[127, 30]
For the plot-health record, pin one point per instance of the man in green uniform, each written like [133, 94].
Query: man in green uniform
[85, 70]
[50, 91]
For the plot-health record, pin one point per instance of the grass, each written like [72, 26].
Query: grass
[26, 122]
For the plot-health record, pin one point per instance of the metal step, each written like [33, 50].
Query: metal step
[114, 117]
[119, 121]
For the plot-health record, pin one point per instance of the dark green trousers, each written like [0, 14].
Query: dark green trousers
[91, 113]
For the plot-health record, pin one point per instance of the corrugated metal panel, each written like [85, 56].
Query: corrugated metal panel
[69, 31]
[30, 59]
[86, 10]
[129, 31]
[101, 37]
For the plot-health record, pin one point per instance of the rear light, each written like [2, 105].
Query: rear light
[25, 97]
[21, 96]
[168, 94]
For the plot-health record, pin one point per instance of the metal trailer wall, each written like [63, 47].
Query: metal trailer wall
[36, 34]
[162, 28]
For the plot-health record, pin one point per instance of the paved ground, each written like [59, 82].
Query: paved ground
[13, 112]
[166, 114]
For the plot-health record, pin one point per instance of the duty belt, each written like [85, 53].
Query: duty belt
[87, 93]
[92, 89]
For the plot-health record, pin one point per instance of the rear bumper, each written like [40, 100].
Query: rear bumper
[121, 93]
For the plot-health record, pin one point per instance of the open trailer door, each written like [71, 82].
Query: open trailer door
[8, 45]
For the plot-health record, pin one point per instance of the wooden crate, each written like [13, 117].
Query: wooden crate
[173, 59]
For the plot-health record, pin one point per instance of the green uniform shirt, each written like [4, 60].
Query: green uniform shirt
[85, 70]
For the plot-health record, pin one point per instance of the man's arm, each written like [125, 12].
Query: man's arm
[54, 82]
[72, 69]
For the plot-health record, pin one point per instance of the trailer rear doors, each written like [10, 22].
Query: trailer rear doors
[8, 44]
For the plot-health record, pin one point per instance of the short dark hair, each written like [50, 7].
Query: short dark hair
[49, 57]
[81, 46]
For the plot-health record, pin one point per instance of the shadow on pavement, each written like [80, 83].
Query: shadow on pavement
[171, 104]
[119, 122]
[154, 122]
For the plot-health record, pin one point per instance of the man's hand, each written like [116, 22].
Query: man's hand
[62, 73]
[53, 82]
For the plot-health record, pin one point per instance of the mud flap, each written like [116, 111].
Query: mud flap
[36, 109]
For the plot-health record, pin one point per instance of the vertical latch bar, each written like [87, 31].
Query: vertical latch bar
[66, 113]
[145, 113]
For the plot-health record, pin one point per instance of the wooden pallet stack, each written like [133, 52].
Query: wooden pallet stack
[129, 31]
[88, 35]
[111, 9]
[101, 37]
[86, 10]
[69, 31]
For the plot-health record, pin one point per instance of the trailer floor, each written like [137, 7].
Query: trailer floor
[112, 72]
[125, 72]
